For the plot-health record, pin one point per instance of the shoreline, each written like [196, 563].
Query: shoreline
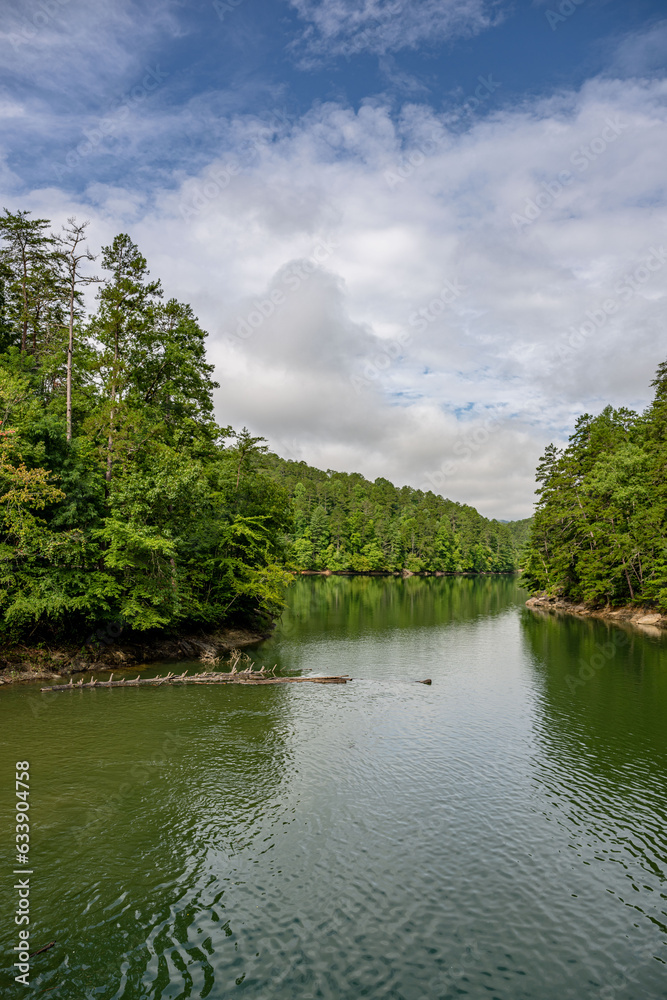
[644, 617]
[401, 572]
[20, 663]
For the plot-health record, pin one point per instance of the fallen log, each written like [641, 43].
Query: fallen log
[244, 677]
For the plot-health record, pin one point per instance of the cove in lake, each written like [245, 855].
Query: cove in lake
[497, 835]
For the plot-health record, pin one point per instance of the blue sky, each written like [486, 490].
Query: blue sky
[440, 196]
[262, 57]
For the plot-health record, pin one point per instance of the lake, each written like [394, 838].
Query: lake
[499, 834]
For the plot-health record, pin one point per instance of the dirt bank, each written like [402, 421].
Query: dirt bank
[23, 663]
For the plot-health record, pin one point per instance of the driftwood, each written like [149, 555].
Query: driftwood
[248, 676]
[235, 677]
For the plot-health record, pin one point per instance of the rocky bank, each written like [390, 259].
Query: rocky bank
[630, 614]
[24, 663]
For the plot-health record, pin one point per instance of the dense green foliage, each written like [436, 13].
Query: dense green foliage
[344, 522]
[600, 528]
[121, 500]
[123, 503]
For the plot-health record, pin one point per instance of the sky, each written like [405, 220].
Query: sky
[423, 235]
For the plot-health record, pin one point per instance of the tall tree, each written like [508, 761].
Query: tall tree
[169, 369]
[27, 249]
[125, 313]
[247, 450]
[72, 254]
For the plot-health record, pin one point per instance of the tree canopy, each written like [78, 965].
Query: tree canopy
[138, 510]
[599, 533]
[344, 522]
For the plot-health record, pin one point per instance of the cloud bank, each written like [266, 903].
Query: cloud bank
[391, 293]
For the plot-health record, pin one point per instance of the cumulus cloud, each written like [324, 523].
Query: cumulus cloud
[391, 295]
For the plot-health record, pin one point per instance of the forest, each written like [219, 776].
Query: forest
[122, 501]
[599, 534]
[343, 522]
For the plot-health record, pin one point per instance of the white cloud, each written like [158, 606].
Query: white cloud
[641, 52]
[466, 393]
[78, 52]
[347, 27]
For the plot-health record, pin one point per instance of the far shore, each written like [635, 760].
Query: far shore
[402, 572]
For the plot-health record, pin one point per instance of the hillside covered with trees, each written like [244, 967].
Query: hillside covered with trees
[600, 528]
[344, 522]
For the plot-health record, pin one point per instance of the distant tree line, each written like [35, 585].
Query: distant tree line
[344, 522]
[600, 528]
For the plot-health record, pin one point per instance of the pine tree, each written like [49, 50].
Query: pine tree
[27, 252]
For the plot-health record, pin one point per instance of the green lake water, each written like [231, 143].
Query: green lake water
[499, 834]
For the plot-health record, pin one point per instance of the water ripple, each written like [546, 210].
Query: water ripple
[490, 836]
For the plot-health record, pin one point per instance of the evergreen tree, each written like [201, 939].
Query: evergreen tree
[27, 258]
[343, 522]
[599, 529]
